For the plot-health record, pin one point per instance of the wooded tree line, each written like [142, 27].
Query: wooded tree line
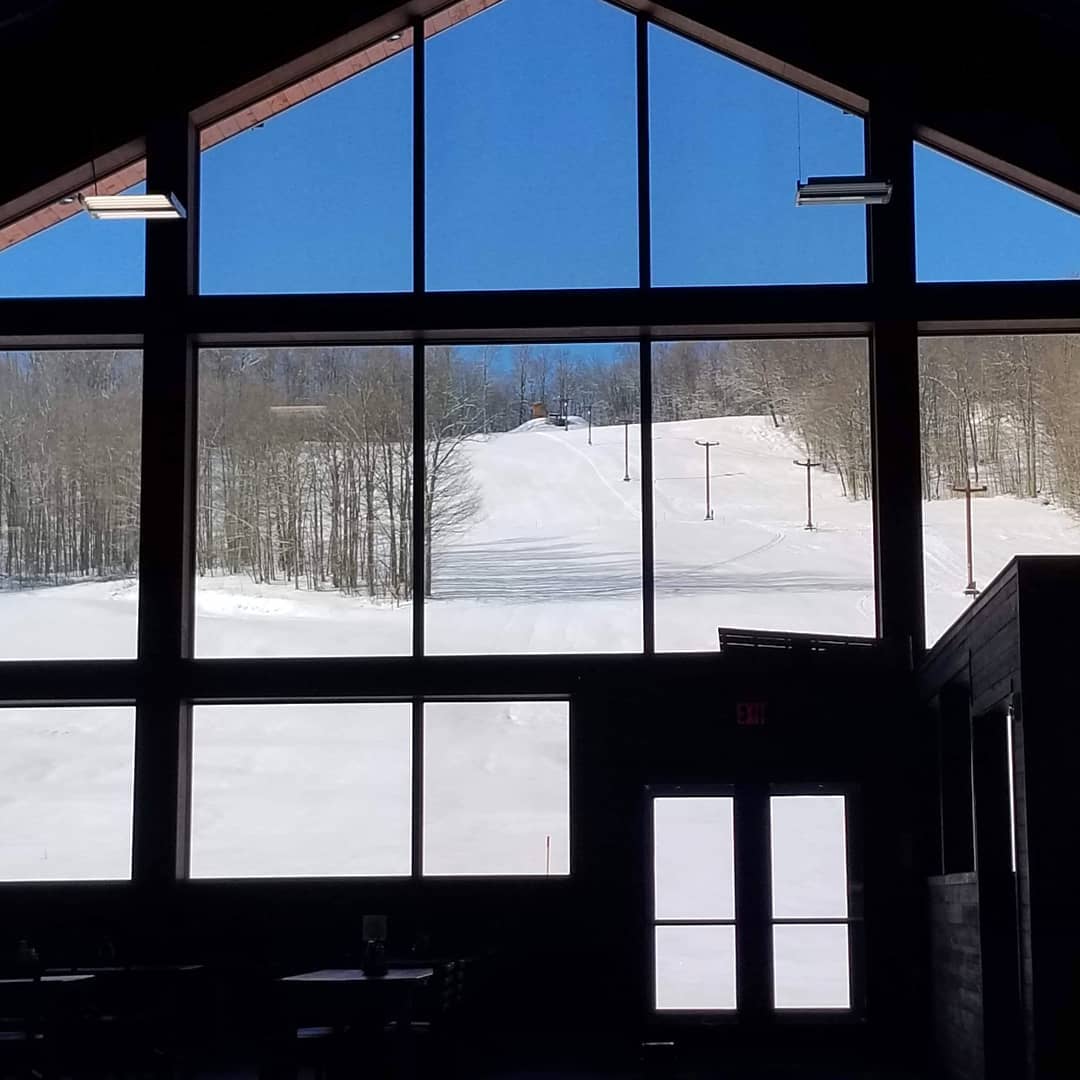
[69, 465]
[305, 467]
[1000, 410]
[305, 455]
[818, 390]
[1004, 411]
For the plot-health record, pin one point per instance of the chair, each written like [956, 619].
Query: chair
[438, 1028]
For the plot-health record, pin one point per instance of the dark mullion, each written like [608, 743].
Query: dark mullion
[542, 315]
[813, 922]
[753, 901]
[648, 901]
[417, 787]
[894, 385]
[854, 831]
[166, 551]
[693, 922]
[73, 322]
[419, 161]
[419, 518]
[644, 179]
[648, 547]
[644, 227]
[603, 315]
[419, 286]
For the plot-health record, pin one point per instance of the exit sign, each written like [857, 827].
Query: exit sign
[751, 713]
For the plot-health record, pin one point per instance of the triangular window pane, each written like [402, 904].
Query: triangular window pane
[531, 148]
[313, 190]
[970, 226]
[62, 251]
[727, 145]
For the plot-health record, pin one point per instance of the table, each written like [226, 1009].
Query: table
[24, 980]
[355, 975]
[145, 1012]
[342, 996]
[46, 1014]
[87, 971]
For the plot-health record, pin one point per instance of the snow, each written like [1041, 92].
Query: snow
[66, 786]
[552, 564]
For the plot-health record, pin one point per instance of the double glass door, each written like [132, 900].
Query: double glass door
[752, 899]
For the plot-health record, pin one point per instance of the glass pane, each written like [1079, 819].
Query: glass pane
[311, 191]
[1000, 413]
[727, 145]
[301, 790]
[695, 967]
[62, 251]
[67, 782]
[970, 226]
[305, 501]
[532, 147]
[809, 857]
[533, 499]
[694, 858]
[733, 547]
[70, 438]
[497, 787]
[810, 967]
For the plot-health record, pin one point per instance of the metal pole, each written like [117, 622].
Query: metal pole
[626, 449]
[589, 409]
[967, 525]
[708, 477]
[967, 490]
[708, 487]
[808, 465]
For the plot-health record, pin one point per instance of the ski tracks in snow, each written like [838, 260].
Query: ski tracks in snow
[634, 510]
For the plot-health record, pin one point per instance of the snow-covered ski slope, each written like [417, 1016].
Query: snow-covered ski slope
[552, 563]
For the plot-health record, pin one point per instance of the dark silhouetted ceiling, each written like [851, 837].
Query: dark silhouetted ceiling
[75, 81]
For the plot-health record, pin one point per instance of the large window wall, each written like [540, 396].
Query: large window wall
[70, 449]
[778, 533]
[331, 480]
[999, 425]
[708, 949]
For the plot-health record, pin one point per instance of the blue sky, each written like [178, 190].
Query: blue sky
[532, 180]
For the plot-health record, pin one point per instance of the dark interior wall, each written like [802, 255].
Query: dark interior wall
[968, 681]
[1049, 598]
[572, 953]
[956, 976]
[1011, 664]
[999, 81]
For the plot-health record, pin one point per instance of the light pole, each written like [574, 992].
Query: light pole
[968, 490]
[708, 481]
[588, 410]
[808, 465]
[626, 450]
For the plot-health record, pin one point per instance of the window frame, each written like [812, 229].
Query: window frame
[753, 919]
[257, 879]
[418, 789]
[50, 884]
[172, 320]
[853, 921]
[687, 791]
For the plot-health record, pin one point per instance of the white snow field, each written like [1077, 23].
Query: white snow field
[694, 902]
[296, 790]
[309, 790]
[551, 564]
